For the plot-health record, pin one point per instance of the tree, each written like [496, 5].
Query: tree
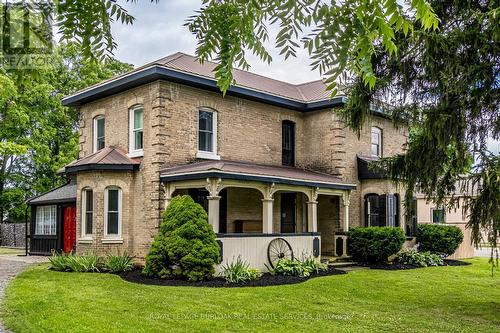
[37, 133]
[442, 83]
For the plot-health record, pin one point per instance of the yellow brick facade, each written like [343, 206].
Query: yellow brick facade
[247, 131]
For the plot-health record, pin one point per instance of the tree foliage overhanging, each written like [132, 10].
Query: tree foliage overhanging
[442, 81]
[38, 135]
[445, 85]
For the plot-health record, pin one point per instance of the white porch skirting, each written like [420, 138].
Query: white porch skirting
[253, 248]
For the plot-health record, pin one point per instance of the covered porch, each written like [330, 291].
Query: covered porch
[256, 209]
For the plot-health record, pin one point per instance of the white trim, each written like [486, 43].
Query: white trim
[106, 235]
[132, 151]
[210, 155]
[84, 213]
[254, 175]
[94, 132]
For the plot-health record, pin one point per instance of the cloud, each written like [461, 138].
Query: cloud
[158, 31]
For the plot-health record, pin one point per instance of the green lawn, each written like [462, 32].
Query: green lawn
[10, 251]
[446, 299]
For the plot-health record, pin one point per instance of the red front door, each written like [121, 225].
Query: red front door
[69, 229]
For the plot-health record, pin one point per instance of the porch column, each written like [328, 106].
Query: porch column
[213, 212]
[345, 202]
[168, 189]
[267, 216]
[312, 216]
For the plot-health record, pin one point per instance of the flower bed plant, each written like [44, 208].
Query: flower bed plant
[90, 262]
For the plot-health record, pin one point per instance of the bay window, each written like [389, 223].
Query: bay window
[87, 212]
[112, 214]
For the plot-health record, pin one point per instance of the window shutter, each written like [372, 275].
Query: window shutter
[382, 207]
[390, 210]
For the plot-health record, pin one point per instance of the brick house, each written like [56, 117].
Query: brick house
[269, 160]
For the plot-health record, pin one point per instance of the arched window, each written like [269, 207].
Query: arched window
[87, 215]
[99, 130]
[112, 212]
[376, 142]
[136, 129]
[207, 134]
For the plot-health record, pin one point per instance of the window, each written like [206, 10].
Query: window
[207, 134]
[87, 212]
[437, 215]
[382, 210]
[112, 214]
[136, 131]
[99, 133]
[45, 221]
[376, 142]
[288, 143]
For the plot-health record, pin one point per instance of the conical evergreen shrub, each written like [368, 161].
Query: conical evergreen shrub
[185, 247]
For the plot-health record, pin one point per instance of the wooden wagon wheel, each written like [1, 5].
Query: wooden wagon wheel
[278, 249]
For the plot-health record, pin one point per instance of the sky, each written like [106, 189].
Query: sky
[159, 30]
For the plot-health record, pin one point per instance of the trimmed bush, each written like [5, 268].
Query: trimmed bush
[439, 239]
[185, 247]
[374, 244]
[418, 259]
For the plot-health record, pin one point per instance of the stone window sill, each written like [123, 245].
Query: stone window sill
[85, 241]
[112, 240]
[207, 155]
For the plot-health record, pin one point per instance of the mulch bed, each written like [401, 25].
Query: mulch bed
[396, 266]
[264, 281]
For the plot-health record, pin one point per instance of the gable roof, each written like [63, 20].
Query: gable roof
[186, 69]
[64, 193]
[109, 158]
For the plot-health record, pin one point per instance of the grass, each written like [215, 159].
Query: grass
[10, 251]
[445, 299]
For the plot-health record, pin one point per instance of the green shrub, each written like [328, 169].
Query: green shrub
[75, 263]
[439, 239]
[374, 244]
[239, 271]
[59, 262]
[84, 263]
[418, 259]
[185, 246]
[296, 267]
[119, 263]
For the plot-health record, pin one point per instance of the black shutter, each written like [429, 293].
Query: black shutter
[382, 209]
[288, 143]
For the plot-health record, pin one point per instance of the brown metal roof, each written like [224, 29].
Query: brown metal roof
[250, 171]
[109, 158]
[306, 92]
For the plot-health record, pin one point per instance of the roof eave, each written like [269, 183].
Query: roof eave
[157, 72]
[102, 167]
[260, 178]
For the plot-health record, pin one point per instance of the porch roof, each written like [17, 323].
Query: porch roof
[109, 158]
[252, 172]
[61, 194]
